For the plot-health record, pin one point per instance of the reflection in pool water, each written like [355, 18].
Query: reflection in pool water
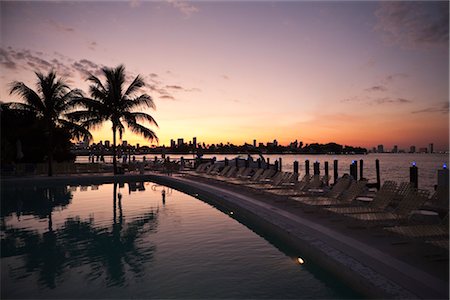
[143, 240]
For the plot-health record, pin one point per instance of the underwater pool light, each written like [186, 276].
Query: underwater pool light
[413, 163]
[444, 166]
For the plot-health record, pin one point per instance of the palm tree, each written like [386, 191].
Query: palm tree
[50, 103]
[112, 102]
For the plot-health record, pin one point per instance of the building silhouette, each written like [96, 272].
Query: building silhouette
[380, 149]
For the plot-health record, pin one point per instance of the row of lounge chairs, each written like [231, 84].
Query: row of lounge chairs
[391, 208]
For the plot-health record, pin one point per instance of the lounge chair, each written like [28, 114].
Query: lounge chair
[240, 176]
[422, 230]
[268, 173]
[412, 201]
[247, 178]
[270, 182]
[355, 189]
[297, 189]
[379, 203]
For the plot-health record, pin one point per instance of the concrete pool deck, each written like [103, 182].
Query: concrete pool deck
[370, 263]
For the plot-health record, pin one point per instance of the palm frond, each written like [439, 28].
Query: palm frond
[76, 130]
[137, 83]
[142, 130]
[97, 82]
[27, 94]
[81, 115]
[92, 123]
[21, 107]
[142, 101]
[140, 116]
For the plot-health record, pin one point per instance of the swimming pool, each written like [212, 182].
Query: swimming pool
[130, 241]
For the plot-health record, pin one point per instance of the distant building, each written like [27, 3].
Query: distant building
[395, 149]
[374, 150]
[172, 143]
[194, 142]
[423, 150]
[180, 142]
[380, 149]
[431, 148]
[107, 144]
[412, 149]
[261, 145]
[275, 143]
[137, 146]
[254, 143]
[124, 144]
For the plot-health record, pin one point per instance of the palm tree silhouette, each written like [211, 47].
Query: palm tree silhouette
[112, 102]
[50, 103]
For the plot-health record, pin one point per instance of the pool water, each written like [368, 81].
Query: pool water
[126, 241]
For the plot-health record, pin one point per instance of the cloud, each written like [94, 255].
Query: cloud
[86, 67]
[184, 7]
[395, 76]
[6, 61]
[443, 107]
[391, 100]
[92, 45]
[377, 88]
[413, 24]
[377, 101]
[180, 88]
[174, 87]
[60, 27]
[167, 97]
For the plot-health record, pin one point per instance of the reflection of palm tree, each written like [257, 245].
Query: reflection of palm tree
[112, 102]
[78, 242]
[50, 103]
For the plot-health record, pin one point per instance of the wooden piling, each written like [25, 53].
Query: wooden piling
[414, 175]
[268, 163]
[280, 164]
[237, 162]
[307, 167]
[226, 161]
[335, 170]
[377, 167]
[361, 167]
[259, 163]
[326, 173]
[355, 170]
[296, 167]
[316, 167]
[276, 165]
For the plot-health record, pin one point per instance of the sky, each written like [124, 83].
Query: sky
[356, 73]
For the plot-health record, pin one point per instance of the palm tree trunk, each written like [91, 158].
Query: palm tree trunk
[50, 152]
[114, 150]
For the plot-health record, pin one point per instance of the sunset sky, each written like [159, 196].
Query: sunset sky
[356, 73]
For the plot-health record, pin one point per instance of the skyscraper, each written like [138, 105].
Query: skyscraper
[194, 142]
[431, 148]
[395, 149]
[380, 149]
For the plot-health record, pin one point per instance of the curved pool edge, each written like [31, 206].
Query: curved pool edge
[359, 266]
[365, 269]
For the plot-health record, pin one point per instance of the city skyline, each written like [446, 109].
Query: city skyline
[354, 73]
[194, 144]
